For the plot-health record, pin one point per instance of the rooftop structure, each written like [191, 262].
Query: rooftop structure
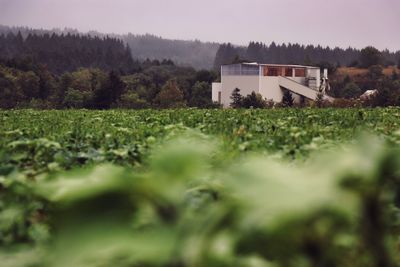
[270, 80]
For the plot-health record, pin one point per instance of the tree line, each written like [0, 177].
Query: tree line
[194, 53]
[61, 53]
[205, 55]
[296, 54]
[24, 84]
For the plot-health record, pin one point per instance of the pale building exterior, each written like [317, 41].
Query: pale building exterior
[269, 80]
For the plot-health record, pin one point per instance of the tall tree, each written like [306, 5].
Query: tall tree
[236, 98]
[8, 93]
[287, 99]
[225, 55]
[351, 90]
[28, 83]
[201, 95]
[370, 56]
[170, 96]
[46, 83]
[109, 92]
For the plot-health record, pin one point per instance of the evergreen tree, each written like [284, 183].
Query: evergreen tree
[375, 74]
[225, 55]
[300, 54]
[46, 83]
[287, 99]
[116, 85]
[236, 98]
[255, 52]
[69, 52]
[109, 92]
[370, 56]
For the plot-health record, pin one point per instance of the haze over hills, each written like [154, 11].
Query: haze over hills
[195, 53]
[206, 55]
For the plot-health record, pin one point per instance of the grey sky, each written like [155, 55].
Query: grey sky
[341, 23]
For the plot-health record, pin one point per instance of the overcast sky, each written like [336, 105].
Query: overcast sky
[343, 23]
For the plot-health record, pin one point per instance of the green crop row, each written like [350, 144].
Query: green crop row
[280, 187]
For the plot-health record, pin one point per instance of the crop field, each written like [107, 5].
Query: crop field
[194, 188]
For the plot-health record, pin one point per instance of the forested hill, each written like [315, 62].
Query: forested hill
[199, 55]
[295, 54]
[61, 53]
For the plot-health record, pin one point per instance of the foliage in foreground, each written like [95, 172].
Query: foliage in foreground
[240, 188]
[185, 210]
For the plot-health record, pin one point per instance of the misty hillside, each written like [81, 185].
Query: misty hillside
[204, 55]
[192, 53]
[66, 52]
[199, 55]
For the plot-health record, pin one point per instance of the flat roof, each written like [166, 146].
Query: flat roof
[273, 65]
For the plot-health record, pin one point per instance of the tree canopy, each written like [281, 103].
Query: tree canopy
[303, 54]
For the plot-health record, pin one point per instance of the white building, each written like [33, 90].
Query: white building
[304, 82]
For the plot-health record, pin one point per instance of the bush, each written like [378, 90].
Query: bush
[254, 100]
[351, 90]
[131, 100]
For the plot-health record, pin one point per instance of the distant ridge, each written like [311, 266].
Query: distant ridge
[208, 55]
[195, 53]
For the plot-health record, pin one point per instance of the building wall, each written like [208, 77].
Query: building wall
[246, 84]
[315, 73]
[270, 89]
[298, 88]
[301, 80]
[216, 88]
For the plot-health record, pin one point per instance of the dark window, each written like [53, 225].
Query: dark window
[271, 71]
[300, 72]
[288, 72]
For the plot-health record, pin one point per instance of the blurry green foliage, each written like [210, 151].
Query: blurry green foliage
[200, 188]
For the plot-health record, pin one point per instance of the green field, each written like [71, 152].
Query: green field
[280, 187]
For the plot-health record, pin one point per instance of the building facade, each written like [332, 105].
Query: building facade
[304, 82]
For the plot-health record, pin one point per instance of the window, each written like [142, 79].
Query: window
[250, 70]
[300, 72]
[271, 71]
[288, 72]
[229, 70]
[240, 69]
